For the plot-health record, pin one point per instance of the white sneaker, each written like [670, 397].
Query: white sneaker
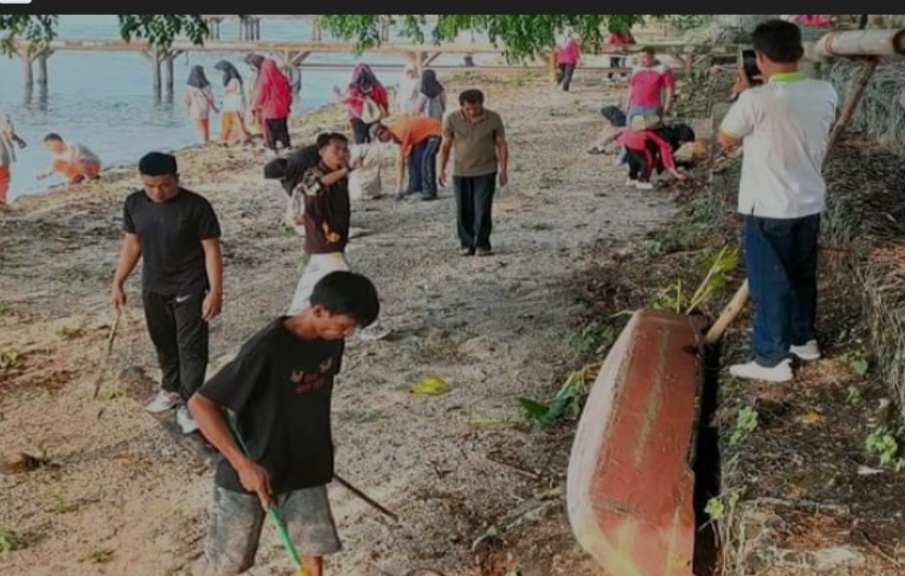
[782, 372]
[162, 402]
[373, 332]
[185, 420]
[631, 183]
[807, 351]
[644, 186]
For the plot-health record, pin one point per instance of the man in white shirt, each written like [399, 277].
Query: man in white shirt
[784, 127]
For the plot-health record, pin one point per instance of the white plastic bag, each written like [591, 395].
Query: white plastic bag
[366, 182]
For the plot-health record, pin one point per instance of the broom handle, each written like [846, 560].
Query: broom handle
[272, 511]
[737, 304]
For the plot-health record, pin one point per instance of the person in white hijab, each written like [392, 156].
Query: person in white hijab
[409, 89]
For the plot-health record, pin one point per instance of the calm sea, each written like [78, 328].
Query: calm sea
[105, 100]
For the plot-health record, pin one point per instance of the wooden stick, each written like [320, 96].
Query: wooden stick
[110, 339]
[737, 304]
[364, 497]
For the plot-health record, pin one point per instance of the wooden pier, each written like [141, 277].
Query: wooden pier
[292, 54]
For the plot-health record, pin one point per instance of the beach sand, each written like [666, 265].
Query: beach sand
[119, 497]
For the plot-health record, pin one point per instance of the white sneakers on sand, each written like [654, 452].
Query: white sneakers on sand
[185, 420]
[167, 401]
[807, 351]
[162, 402]
[639, 185]
[782, 372]
[373, 332]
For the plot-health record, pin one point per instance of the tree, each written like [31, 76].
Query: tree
[158, 29]
[522, 35]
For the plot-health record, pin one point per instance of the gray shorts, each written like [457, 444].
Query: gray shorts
[236, 520]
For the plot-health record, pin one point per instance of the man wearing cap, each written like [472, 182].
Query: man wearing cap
[419, 141]
[177, 233]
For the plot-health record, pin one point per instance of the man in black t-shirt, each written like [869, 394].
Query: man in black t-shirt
[278, 391]
[177, 234]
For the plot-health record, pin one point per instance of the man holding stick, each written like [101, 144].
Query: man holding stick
[785, 126]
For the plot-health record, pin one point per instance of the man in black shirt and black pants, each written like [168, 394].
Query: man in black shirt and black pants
[178, 234]
[278, 392]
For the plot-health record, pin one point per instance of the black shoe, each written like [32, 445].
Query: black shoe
[425, 197]
[465, 251]
[484, 252]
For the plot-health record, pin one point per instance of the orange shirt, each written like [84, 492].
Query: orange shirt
[413, 130]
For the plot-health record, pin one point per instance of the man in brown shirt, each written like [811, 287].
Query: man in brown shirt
[479, 139]
[324, 209]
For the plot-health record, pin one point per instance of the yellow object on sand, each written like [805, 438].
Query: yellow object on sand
[431, 386]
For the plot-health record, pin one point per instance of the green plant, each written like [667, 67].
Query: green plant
[60, 503]
[592, 338]
[852, 395]
[5, 309]
[745, 424]
[674, 298]
[719, 507]
[567, 403]
[857, 361]
[10, 540]
[883, 442]
[99, 556]
[9, 359]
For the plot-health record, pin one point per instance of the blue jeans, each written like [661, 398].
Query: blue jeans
[781, 257]
[422, 165]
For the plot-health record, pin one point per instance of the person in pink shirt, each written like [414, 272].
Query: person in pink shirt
[651, 87]
[272, 102]
[646, 149]
[568, 56]
[619, 38]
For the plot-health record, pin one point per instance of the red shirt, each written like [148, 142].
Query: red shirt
[621, 38]
[637, 140]
[649, 83]
[568, 54]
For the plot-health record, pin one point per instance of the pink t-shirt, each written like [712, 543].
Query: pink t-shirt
[648, 84]
[568, 54]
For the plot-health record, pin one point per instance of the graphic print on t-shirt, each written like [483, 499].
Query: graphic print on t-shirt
[311, 381]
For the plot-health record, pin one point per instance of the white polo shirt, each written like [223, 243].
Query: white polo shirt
[784, 126]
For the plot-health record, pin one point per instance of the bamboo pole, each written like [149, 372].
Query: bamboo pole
[737, 303]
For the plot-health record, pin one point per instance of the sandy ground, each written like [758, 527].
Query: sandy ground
[119, 497]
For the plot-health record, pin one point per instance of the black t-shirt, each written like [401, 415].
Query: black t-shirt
[170, 234]
[279, 388]
[328, 211]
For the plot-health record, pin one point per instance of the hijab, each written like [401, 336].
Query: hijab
[255, 60]
[229, 72]
[197, 78]
[280, 88]
[363, 79]
[430, 86]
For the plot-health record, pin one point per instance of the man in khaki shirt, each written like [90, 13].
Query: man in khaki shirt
[479, 139]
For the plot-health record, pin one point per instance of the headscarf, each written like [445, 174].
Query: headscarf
[408, 86]
[229, 72]
[280, 90]
[430, 86]
[197, 78]
[255, 60]
[363, 79]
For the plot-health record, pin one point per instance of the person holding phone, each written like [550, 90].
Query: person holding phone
[784, 126]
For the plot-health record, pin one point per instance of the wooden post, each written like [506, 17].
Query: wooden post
[168, 73]
[737, 304]
[42, 66]
[27, 70]
[154, 58]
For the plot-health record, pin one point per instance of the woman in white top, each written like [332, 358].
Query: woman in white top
[232, 117]
[409, 88]
[199, 100]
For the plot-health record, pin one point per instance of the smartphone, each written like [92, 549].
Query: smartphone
[749, 66]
